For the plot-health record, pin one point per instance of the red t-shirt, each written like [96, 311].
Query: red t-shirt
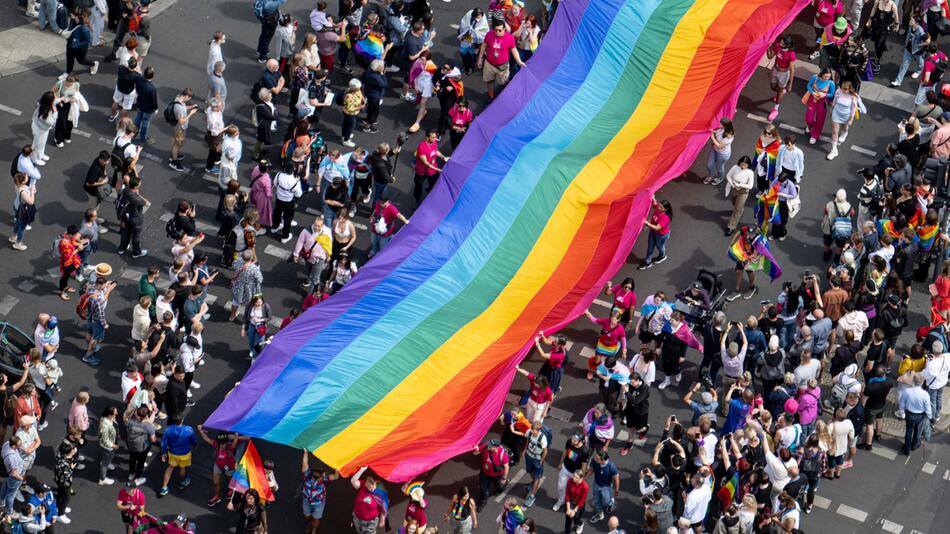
[498, 49]
[576, 493]
[418, 512]
[826, 11]
[537, 394]
[493, 464]
[388, 214]
[430, 151]
[365, 507]
[930, 63]
[662, 220]
[783, 58]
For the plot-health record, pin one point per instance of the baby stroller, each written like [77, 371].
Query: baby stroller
[697, 316]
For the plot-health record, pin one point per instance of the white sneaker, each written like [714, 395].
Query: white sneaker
[812, 140]
[915, 75]
[189, 394]
[40, 163]
[195, 385]
[833, 154]
[677, 378]
[63, 519]
[895, 83]
[665, 384]
[392, 68]
[45, 157]
[140, 481]
[68, 510]
[106, 482]
[842, 137]
[293, 224]
[557, 506]
[94, 68]
[580, 528]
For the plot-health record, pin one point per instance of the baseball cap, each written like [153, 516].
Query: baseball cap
[52, 322]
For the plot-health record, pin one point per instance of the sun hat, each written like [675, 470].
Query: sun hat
[841, 24]
[103, 269]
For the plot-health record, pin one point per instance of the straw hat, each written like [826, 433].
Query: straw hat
[103, 269]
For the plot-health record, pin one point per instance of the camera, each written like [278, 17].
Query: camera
[705, 380]
[402, 138]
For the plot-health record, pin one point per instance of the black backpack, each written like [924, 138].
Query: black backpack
[117, 157]
[169, 113]
[940, 68]
[171, 229]
[123, 206]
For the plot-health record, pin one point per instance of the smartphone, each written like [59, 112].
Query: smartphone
[765, 302]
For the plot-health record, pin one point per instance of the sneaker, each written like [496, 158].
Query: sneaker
[120, 252]
[812, 140]
[106, 482]
[346, 69]
[899, 414]
[262, 60]
[213, 501]
[580, 528]
[80, 458]
[195, 385]
[733, 296]
[59, 145]
[677, 378]
[750, 292]
[68, 510]
[40, 163]
[529, 501]
[557, 506]
[185, 482]
[190, 394]
[707, 179]
[915, 75]
[190, 404]
[352, 211]
[842, 137]
[176, 165]
[716, 181]
[597, 517]
[293, 223]
[848, 464]
[19, 246]
[63, 519]
[42, 426]
[644, 266]
[140, 481]
[658, 260]
[91, 360]
[94, 68]
[392, 68]
[27, 489]
[369, 129]
[348, 143]
[142, 253]
[833, 154]
[814, 55]
[113, 117]
[666, 383]
[163, 492]
[895, 83]
[773, 114]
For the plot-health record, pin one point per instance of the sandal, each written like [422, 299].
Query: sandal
[64, 296]
[70, 290]
[414, 128]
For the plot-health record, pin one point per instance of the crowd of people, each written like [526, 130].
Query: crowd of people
[780, 400]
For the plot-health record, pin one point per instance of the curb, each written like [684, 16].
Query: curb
[18, 68]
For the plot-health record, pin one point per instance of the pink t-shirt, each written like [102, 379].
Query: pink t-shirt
[460, 118]
[623, 298]
[826, 11]
[783, 58]
[539, 395]
[498, 49]
[430, 151]
[556, 360]
[365, 507]
[662, 220]
[930, 63]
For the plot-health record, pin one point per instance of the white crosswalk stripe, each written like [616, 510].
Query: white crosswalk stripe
[852, 513]
[7, 303]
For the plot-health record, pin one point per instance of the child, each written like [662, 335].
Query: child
[225, 447]
[53, 373]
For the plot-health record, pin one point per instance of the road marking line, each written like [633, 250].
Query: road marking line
[26, 286]
[511, 483]
[82, 133]
[276, 321]
[946, 475]
[7, 304]
[602, 303]
[862, 150]
[791, 128]
[568, 345]
[277, 251]
[892, 527]
[758, 118]
[929, 468]
[151, 157]
[884, 452]
[453, 26]
[210, 299]
[10, 110]
[587, 352]
[852, 513]
[822, 502]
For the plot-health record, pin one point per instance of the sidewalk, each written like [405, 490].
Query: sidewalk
[25, 47]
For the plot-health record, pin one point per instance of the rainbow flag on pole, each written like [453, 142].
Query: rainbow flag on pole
[410, 364]
[766, 208]
[727, 493]
[250, 474]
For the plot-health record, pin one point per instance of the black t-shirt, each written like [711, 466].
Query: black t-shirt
[575, 457]
[338, 194]
[146, 100]
[96, 173]
[166, 343]
[771, 327]
[877, 354]
[794, 487]
[127, 79]
[876, 393]
[136, 205]
[186, 225]
[181, 294]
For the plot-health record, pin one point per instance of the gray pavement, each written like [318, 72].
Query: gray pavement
[884, 492]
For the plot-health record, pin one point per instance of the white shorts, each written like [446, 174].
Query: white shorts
[125, 101]
[780, 77]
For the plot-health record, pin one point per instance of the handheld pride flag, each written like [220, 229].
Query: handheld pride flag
[766, 208]
[409, 365]
[249, 474]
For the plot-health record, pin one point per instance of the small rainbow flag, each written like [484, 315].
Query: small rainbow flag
[766, 208]
[926, 236]
[408, 488]
[771, 154]
[371, 47]
[886, 226]
[250, 474]
[738, 253]
[727, 493]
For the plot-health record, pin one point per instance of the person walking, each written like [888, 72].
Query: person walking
[130, 211]
[108, 444]
[845, 107]
[659, 226]
[261, 192]
[178, 440]
[69, 246]
[183, 113]
[495, 55]
[77, 46]
[739, 183]
[606, 485]
[44, 118]
[369, 512]
[288, 190]
[314, 245]
[267, 13]
[24, 210]
[915, 43]
[383, 223]
[254, 327]
[719, 152]
[820, 90]
[575, 500]
[493, 473]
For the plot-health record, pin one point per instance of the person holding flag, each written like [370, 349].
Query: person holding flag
[313, 491]
[751, 253]
[248, 475]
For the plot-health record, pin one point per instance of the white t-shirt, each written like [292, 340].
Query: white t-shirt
[708, 445]
[935, 372]
[697, 501]
[841, 432]
[805, 371]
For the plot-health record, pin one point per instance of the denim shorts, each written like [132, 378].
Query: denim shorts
[96, 330]
[835, 461]
[534, 467]
[314, 510]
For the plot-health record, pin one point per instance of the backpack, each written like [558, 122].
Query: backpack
[123, 207]
[117, 157]
[169, 113]
[838, 393]
[54, 250]
[82, 307]
[940, 68]
[259, 9]
[938, 333]
[546, 431]
[171, 228]
[136, 436]
[135, 22]
[841, 225]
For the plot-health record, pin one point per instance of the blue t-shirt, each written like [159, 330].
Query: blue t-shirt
[736, 418]
[178, 440]
[604, 473]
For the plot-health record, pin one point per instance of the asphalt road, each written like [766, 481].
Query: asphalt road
[883, 492]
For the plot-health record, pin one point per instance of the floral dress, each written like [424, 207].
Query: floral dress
[246, 282]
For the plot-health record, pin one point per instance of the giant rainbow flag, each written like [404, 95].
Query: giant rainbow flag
[410, 364]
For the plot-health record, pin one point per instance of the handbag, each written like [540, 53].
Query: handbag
[26, 213]
[794, 206]
[261, 329]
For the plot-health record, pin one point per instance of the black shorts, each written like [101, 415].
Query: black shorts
[637, 421]
[828, 241]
